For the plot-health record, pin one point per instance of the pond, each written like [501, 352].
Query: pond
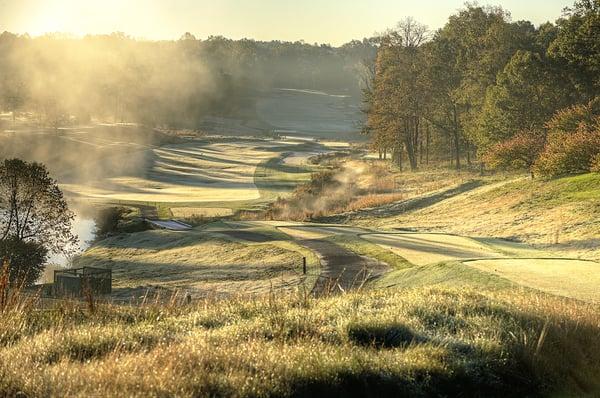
[84, 227]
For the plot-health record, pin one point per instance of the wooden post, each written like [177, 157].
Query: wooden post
[304, 265]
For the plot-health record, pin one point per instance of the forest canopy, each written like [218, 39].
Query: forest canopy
[484, 84]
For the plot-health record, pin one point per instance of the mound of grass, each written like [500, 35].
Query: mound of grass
[550, 193]
[451, 274]
[410, 342]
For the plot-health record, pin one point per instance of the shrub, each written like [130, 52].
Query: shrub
[519, 152]
[568, 120]
[570, 153]
[107, 220]
[595, 166]
[26, 259]
[318, 183]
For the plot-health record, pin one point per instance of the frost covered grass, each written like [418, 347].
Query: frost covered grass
[412, 342]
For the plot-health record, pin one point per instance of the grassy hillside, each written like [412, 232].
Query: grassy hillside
[560, 215]
[401, 342]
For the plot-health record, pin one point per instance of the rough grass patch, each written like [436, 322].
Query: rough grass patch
[508, 343]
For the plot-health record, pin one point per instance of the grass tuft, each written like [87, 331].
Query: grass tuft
[391, 342]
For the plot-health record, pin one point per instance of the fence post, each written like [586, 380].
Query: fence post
[304, 265]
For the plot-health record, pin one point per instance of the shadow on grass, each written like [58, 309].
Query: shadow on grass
[384, 336]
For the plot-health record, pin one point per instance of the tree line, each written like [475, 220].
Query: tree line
[481, 82]
[58, 78]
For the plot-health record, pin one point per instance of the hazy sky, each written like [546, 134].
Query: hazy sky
[323, 21]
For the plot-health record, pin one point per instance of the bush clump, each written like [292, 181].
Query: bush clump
[570, 153]
[114, 220]
[26, 260]
[568, 120]
[519, 152]
[570, 144]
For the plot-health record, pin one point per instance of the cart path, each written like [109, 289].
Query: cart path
[341, 269]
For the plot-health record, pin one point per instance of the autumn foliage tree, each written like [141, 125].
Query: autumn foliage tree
[571, 153]
[481, 80]
[519, 152]
[398, 96]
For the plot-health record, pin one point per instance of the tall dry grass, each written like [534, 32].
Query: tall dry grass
[416, 342]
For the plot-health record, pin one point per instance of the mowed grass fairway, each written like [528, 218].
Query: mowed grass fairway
[201, 262]
[193, 172]
[569, 278]
[422, 248]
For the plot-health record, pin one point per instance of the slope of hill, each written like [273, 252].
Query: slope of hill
[561, 215]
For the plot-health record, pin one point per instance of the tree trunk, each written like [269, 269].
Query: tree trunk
[427, 140]
[397, 156]
[468, 154]
[409, 144]
[412, 158]
[400, 159]
[417, 137]
[456, 140]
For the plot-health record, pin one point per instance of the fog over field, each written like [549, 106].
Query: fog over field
[312, 113]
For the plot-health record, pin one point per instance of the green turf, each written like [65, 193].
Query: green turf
[365, 248]
[448, 274]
